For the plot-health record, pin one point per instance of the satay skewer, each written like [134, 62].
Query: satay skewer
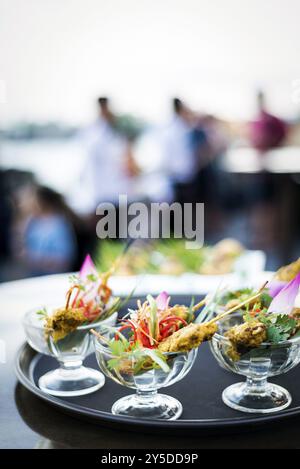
[180, 340]
[235, 308]
[201, 303]
[198, 305]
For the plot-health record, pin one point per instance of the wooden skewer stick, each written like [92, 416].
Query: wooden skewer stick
[226, 313]
[198, 305]
[99, 336]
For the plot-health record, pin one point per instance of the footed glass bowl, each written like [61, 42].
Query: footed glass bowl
[71, 378]
[147, 403]
[256, 395]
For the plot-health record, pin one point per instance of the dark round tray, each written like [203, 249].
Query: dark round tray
[199, 392]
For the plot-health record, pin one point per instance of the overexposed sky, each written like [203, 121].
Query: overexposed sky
[56, 56]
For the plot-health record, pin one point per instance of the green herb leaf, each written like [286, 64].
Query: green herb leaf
[118, 347]
[191, 315]
[153, 315]
[280, 327]
[92, 277]
[42, 313]
[113, 363]
[265, 299]
[158, 358]
[247, 317]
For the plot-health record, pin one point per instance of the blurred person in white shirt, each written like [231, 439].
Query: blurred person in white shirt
[107, 171]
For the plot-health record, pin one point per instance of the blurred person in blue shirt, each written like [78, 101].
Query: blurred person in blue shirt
[185, 148]
[48, 237]
[177, 146]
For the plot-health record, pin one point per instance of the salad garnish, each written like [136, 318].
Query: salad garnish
[88, 300]
[273, 325]
[150, 334]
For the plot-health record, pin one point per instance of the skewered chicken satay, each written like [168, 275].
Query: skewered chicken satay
[64, 321]
[245, 337]
[235, 302]
[193, 335]
[188, 337]
[152, 329]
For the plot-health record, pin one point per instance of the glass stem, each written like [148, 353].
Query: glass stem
[256, 385]
[146, 396]
[257, 378]
[69, 366]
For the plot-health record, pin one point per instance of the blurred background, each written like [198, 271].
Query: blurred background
[188, 101]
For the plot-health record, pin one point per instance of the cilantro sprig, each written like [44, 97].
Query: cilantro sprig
[131, 355]
[279, 327]
[244, 293]
[42, 313]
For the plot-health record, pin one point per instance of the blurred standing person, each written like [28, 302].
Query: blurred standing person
[210, 186]
[217, 136]
[266, 131]
[178, 156]
[211, 143]
[261, 192]
[108, 160]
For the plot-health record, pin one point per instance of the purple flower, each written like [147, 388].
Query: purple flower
[283, 302]
[275, 286]
[162, 301]
[90, 279]
[87, 268]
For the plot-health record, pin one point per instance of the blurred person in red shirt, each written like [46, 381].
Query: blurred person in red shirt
[266, 131]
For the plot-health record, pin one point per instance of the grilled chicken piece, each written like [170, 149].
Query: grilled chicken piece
[180, 311]
[288, 272]
[188, 337]
[64, 321]
[245, 337]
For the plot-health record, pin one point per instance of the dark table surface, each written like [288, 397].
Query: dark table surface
[28, 422]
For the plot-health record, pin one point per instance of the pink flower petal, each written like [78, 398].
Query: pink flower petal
[87, 268]
[162, 301]
[283, 303]
[275, 286]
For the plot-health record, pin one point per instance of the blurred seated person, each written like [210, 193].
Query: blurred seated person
[47, 235]
[5, 217]
[266, 131]
[109, 169]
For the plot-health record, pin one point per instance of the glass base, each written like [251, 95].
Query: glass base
[159, 406]
[73, 382]
[271, 398]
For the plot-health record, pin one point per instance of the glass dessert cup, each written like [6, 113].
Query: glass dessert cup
[71, 378]
[256, 395]
[147, 403]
